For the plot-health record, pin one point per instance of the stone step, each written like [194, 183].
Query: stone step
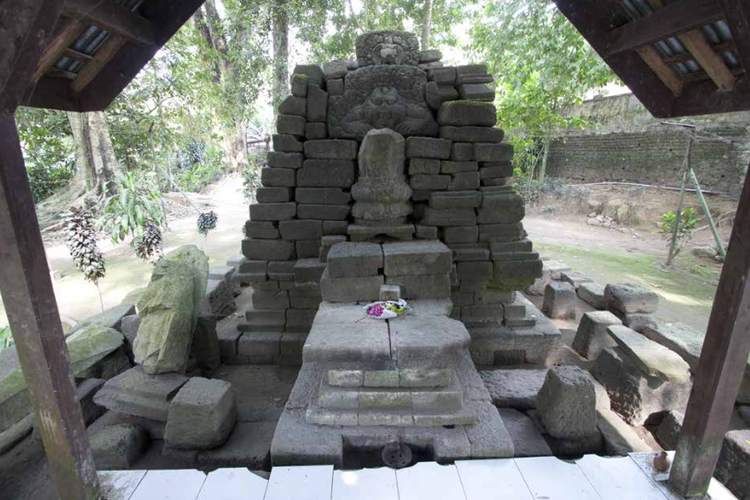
[264, 320]
[445, 399]
[403, 377]
[377, 418]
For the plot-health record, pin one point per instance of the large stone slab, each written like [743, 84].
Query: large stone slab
[416, 257]
[517, 388]
[428, 341]
[326, 173]
[734, 463]
[350, 289]
[367, 344]
[527, 440]
[467, 113]
[111, 318]
[633, 394]
[169, 310]
[653, 359]
[331, 148]
[87, 347]
[629, 298]
[135, 392]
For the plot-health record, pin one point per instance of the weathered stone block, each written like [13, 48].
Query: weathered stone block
[335, 87]
[137, 393]
[426, 232]
[299, 84]
[501, 232]
[416, 257]
[653, 359]
[476, 91]
[293, 105]
[424, 166]
[428, 147]
[202, 415]
[635, 395]
[264, 230]
[291, 124]
[323, 212]
[467, 113]
[350, 289]
[326, 173]
[335, 227]
[516, 269]
[491, 152]
[315, 131]
[256, 249]
[284, 160]
[281, 270]
[442, 75]
[308, 270]
[390, 292]
[463, 252]
[456, 199]
[436, 94]
[272, 300]
[593, 295]
[500, 215]
[317, 104]
[351, 259]
[336, 149]
[455, 167]
[301, 229]
[471, 134]
[461, 234]
[429, 182]
[322, 196]
[286, 143]
[559, 301]
[734, 462]
[462, 151]
[629, 298]
[430, 286]
[567, 403]
[463, 181]
[273, 194]
[449, 217]
[334, 69]
[118, 446]
[313, 72]
[277, 177]
[591, 336]
[273, 211]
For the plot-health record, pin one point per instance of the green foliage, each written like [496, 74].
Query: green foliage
[136, 205]
[6, 338]
[251, 175]
[688, 221]
[543, 65]
[197, 165]
[48, 149]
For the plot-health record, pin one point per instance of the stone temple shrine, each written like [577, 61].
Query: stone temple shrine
[389, 179]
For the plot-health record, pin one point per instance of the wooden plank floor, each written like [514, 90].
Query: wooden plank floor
[538, 478]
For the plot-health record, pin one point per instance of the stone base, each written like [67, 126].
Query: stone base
[508, 346]
[358, 232]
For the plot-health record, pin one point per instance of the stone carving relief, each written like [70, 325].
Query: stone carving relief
[387, 47]
[382, 97]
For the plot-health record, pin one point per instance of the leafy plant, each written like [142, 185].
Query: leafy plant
[136, 205]
[688, 221]
[82, 245]
[6, 338]
[207, 222]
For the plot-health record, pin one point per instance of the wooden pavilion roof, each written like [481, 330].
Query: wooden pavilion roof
[679, 57]
[95, 49]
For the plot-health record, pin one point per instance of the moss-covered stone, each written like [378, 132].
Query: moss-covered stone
[169, 310]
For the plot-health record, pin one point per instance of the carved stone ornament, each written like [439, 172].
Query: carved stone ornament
[387, 47]
[382, 97]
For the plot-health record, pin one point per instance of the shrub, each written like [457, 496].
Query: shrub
[136, 204]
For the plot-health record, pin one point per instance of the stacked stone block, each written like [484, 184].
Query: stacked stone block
[304, 199]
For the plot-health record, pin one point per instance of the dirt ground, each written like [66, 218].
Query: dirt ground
[606, 254]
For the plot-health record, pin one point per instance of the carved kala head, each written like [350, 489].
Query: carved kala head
[387, 47]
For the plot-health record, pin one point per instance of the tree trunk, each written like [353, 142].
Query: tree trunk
[427, 25]
[543, 167]
[96, 164]
[236, 148]
[280, 55]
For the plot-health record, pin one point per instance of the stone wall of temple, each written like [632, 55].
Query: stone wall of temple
[321, 187]
[625, 143]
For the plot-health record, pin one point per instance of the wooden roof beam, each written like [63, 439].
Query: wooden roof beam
[66, 35]
[114, 18]
[704, 54]
[719, 48]
[737, 13]
[663, 70]
[101, 57]
[672, 20]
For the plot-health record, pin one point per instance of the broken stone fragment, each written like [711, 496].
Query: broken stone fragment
[201, 415]
[629, 298]
[567, 403]
[653, 359]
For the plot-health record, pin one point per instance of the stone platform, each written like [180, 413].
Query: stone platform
[366, 383]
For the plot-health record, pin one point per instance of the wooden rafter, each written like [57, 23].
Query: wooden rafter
[672, 20]
[100, 59]
[57, 47]
[78, 56]
[114, 18]
[719, 48]
[695, 42]
[663, 70]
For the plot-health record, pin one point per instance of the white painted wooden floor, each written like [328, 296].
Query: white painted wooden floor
[542, 478]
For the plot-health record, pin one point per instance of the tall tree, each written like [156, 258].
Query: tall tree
[280, 54]
[235, 48]
[426, 24]
[96, 163]
[543, 66]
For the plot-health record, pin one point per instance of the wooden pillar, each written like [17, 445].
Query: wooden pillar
[35, 322]
[721, 366]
